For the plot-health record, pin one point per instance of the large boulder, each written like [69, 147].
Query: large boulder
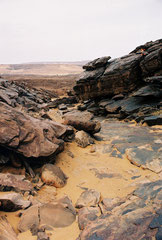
[82, 121]
[30, 136]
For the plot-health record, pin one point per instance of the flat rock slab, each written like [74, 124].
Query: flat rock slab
[12, 201]
[137, 217]
[141, 144]
[59, 213]
[30, 136]
[17, 182]
[145, 158]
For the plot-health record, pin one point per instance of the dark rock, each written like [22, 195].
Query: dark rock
[121, 75]
[86, 215]
[148, 91]
[145, 158]
[153, 120]
[10, 202]
[53, 175]
[99, 62]
[16, 182]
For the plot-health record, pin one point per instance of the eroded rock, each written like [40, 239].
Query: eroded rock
[12, 201]
[53, 175]
[83, 139]
[30, 136]
[17, 182]
[89, 198]
[82, 121]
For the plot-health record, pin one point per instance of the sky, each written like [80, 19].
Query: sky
[75, 30]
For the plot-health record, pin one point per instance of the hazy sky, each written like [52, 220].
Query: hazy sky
[70, 30]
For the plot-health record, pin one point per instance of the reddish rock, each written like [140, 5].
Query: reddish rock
[30, 136]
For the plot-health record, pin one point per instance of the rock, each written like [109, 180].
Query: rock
[82, 121]
[29, 219]
[86, 215]
[145, 158]
[10, 202]
[155, 80]
[30, 136]
[83, 139]
[148, 91]
[53, 175]
[99, 62]
[121, 75]
[42, 236]
[58, 214]
[153, 120]
[89, 198]
[17, 182]
[6, 231]
[62, 107]
[135, 218]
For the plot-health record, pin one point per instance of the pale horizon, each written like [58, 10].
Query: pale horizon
[70, 31]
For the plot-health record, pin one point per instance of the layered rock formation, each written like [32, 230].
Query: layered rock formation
[121, 75]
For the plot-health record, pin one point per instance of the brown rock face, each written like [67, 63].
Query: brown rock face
[121, 75]
[30, 136]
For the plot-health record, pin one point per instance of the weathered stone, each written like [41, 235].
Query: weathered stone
[53, 175]
[57, 214]
[153, 120]
[133, 218]
[148, 91]
[121, 75]
[83, 139]
[82, 121]
[29, 219]
[145, 158]
[10, 202]
[17, 182]
[99, 62]
[89, 198]
[86, 215]
[30, 136]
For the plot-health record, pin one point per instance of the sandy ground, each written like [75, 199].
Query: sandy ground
[80, 165]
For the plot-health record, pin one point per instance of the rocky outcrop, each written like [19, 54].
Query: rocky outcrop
[121, 75]
[29, 136]
[15, 95]
[136, 217]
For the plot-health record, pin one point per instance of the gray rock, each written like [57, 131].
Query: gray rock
[89, 198]
[83, 139]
